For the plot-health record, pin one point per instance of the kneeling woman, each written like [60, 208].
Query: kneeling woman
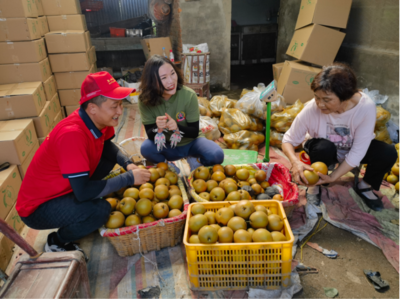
[167, 106]
[339, 123]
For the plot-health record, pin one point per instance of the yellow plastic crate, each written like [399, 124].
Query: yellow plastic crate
[239, 266]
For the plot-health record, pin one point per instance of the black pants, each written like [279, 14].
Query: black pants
[380, 158]
[74, 219]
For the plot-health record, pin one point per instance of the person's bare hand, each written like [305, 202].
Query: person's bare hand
[161, 122]
[131, 167]
[324, 179]
[298, 172]
[141, 176]
[171, 124]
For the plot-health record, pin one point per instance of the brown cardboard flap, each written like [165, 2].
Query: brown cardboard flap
[19, 29]
[276, 70]
[21, 100]
[69, 97]
[333, 13]
[39, 7]
[68, 41]
[152, 46]
[67, 22]
[17, 138]
[50, 88]
[22, 52]
[18, 9]
[10, 183]
[25, 72]
[315, 44]
[70, 109]
[73, 62]
[72, 80]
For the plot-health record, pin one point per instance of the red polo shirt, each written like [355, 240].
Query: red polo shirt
[72, 149]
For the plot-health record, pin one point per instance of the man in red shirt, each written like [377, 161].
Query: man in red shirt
[63, 186]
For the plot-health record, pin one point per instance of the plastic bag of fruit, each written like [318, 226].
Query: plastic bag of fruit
[217, 103]
[233, 120]
[250, 104]
[275, 139]
[244, 140]
[382, 116]
[382, 134]
[204, 106]
[244, 91]
[282, 121]
[210, 128]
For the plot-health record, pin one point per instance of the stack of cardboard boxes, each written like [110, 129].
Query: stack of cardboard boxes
[316, 41]
[27, 99]
[71, 54]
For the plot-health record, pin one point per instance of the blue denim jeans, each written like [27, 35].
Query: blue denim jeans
[208, 152]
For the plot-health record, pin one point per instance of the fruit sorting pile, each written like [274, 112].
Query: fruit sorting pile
[229, 183]
[158, 199]
[393, 176]
[239, 223]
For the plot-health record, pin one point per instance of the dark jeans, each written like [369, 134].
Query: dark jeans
[207, 150]
[74, 219]
[380, 158]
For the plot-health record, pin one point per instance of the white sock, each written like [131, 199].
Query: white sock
[369, 194]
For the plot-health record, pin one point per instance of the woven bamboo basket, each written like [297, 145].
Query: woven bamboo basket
[277, 175]
[147, 237]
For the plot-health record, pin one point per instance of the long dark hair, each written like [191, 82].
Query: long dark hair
[150, 83]
[338, 78]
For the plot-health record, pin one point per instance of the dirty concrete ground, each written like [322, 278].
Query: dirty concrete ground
[344, 273]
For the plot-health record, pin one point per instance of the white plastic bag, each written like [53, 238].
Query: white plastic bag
[375, 96]
[210, 128]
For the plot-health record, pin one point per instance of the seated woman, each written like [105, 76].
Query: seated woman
[339, 123]
[168, 107]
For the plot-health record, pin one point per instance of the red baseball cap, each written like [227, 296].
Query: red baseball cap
[102, 83]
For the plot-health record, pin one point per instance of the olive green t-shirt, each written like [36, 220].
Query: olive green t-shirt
[183, 107]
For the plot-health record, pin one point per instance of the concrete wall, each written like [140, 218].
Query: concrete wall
[254, 12]
[209, 21]
[371, 45]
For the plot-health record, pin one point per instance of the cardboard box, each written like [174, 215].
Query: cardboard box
[68, 41]
[70, 109]
[18, 9]
[6, 245]
[50, 88]
[17, 138]
[39, 7]
[152, 46]
[44, 26]
[57, 119]
[315, 44]
[276, 70]
[24, 167]
[25, 72]
[44, 121]
[333, 13]
[10, 183]
[22, 52]
[54, 106]
[61, 7]
[295, 80]
[19, 29]
[67, 22]
[73, 62]
[21, 100]
[72, 80]
[41, 140]
[69, 97]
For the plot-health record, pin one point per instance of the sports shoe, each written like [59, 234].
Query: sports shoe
[177, 170]
[193, 163]
[54, 245]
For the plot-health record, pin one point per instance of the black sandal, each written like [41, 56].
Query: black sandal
[373, 204]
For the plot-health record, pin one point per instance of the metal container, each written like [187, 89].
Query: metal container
[134, 32]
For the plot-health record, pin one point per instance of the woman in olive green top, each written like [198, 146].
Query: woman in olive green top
[167, 106]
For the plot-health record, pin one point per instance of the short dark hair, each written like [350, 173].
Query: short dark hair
[150, 83]
[338, 78]
[96, 100]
